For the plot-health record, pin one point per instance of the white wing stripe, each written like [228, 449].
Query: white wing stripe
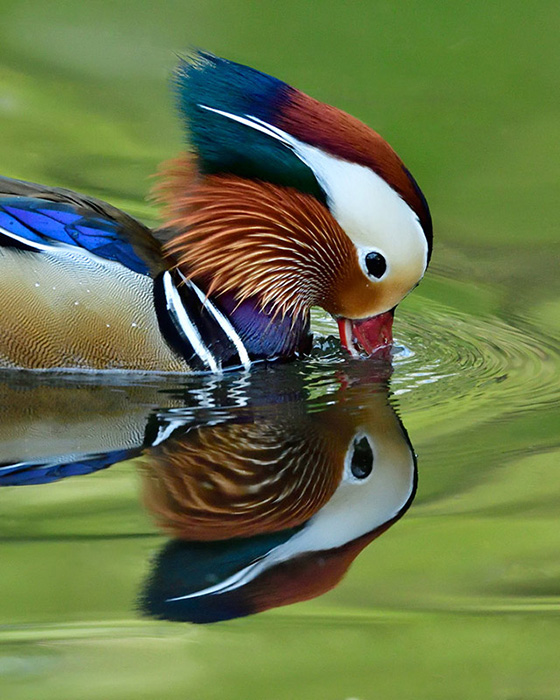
[176, 307]
[225, 324]
[26, 241]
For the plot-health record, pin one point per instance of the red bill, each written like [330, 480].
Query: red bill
[368, 335]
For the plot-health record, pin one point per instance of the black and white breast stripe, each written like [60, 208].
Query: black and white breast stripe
[194, 326]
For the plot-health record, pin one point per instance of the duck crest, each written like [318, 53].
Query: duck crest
[209, 88]
[247, 123]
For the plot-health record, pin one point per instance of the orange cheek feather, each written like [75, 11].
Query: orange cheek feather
[354, 296]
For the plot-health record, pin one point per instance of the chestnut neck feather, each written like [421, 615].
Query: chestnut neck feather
[252, 240]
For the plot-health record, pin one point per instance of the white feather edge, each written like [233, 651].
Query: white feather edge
[33, 244]
[225, 324]
[175, 307]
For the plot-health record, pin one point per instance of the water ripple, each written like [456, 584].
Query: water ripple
[480, 360]
[465, 363]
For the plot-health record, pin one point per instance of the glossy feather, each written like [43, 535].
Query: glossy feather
[226, 146]
[55, 215]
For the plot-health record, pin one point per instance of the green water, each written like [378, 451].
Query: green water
[461, 597]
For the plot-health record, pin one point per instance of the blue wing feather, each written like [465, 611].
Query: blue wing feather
[34, 221]
[28, 473]
[39, 224]
[64, 217]
[9, 224]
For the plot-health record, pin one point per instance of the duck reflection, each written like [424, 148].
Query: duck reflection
[272, 507]
[52, 428]
[269, 486]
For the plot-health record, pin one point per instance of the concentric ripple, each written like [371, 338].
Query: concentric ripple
[464, 363]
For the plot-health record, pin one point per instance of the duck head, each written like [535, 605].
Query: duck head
[285, 203]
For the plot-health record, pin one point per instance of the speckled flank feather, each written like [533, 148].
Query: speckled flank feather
[72, 311]
[255, 239]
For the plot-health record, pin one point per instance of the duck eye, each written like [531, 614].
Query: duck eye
[376, 264]
[362, 458]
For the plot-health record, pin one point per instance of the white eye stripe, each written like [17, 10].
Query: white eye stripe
[256, 124]
[372, 214]
[295, 145]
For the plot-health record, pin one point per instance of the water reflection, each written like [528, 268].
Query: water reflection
[268, 485]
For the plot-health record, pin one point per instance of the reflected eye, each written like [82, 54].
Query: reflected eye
[376, 264]
[362, 459]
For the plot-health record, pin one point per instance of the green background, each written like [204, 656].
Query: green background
[461, 598]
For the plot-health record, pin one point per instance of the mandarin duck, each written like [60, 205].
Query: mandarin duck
[282, 203]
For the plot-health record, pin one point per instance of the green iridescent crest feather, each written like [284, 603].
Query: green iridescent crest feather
[205, 83]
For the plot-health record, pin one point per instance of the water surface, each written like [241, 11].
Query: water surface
[460, 596]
